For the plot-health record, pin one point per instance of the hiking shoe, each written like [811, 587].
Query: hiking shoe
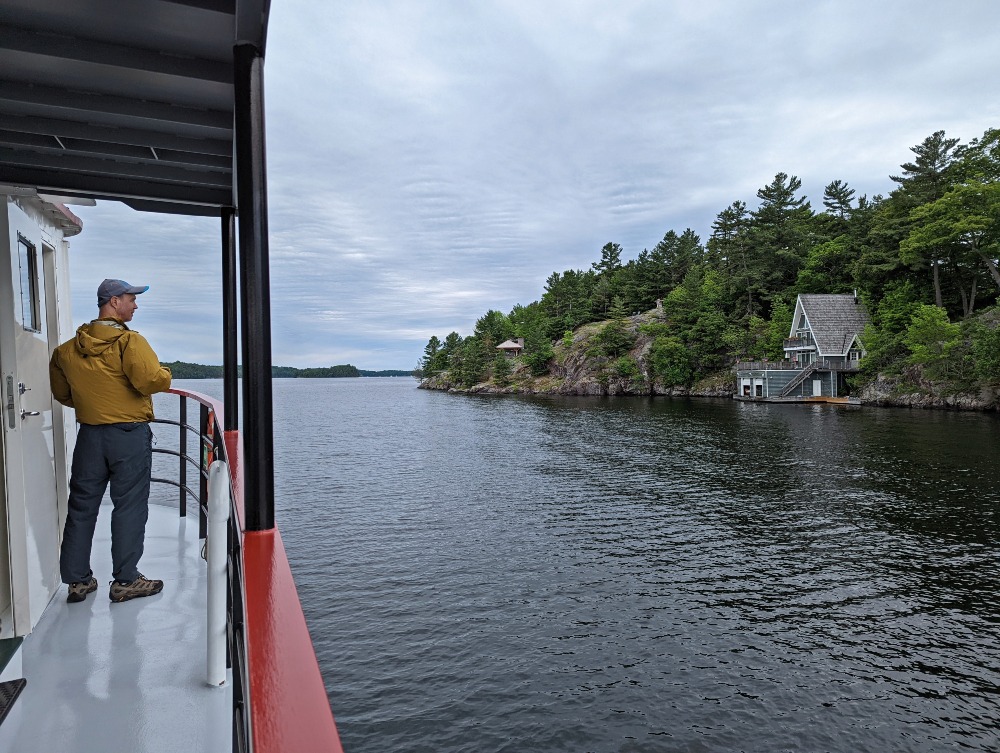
[78, 591]
[141, 586]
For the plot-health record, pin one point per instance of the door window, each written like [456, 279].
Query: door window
[27, 261]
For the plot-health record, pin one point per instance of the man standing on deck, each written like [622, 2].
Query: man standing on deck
[107, 373]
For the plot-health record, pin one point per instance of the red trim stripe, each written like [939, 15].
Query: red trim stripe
[288, 701]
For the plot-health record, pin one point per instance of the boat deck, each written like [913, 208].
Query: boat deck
[121, 678]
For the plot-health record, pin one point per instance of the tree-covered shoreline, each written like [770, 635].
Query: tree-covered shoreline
[923, 259]
[184, 370]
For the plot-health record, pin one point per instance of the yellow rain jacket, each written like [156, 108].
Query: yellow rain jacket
[107, 373]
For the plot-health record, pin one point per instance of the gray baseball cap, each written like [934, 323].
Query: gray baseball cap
[111, 288]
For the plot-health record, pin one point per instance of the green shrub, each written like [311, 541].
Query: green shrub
[670, 361]
[613, 340]
[626, 367]
[930, 336]
[985, 347]
[655, 329]
[537, 356]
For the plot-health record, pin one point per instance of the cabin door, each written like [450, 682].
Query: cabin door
[29, 567]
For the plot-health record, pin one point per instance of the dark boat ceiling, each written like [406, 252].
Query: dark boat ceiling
[129, 100]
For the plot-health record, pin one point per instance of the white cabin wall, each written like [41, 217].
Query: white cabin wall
[37, 447]
[6, 595]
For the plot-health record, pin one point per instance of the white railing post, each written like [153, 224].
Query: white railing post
[218, 523]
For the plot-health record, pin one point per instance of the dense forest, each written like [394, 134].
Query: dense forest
[182, 370]
[923, 259]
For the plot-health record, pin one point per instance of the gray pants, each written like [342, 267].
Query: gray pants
[121, 454]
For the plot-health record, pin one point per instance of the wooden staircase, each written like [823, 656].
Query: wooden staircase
[799, 379]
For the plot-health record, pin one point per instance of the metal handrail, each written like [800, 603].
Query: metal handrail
[171, 482]
[209, 429]
[206, 438]
[177, 454]
[175, 423]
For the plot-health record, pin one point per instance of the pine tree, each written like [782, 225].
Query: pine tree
[780, 235]
[837, 198]
[501, 370]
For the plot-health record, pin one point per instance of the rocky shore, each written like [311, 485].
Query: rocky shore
[883, 391]
[913, 391]
[576, 370]
[590, 385]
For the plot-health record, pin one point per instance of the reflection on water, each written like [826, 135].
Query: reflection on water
[593, 574]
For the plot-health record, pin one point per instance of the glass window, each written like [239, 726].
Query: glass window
[27, 261]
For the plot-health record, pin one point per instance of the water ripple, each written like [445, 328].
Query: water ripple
[548, 574]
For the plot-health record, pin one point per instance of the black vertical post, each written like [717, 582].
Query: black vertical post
[230, 354]
[251, 202]
[182, 448]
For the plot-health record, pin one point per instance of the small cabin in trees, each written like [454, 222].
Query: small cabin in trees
[822, 348]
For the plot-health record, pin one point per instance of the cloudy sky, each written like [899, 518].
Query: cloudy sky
[430, 160]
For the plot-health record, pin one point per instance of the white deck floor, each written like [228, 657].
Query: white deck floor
[125, 677]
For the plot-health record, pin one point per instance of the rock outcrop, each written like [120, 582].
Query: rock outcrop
[578, 369]
[912, 390]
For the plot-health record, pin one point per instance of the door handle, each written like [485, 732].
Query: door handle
[10, 401]
[25, 413]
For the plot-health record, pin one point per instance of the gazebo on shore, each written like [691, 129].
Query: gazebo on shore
[512, 348]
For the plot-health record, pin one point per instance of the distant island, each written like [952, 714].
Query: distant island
[183, 370]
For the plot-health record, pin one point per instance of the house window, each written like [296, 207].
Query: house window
[27, 261]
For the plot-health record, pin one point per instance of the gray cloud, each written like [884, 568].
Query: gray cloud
[432, 160]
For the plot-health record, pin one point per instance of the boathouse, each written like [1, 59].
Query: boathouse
[823, 347]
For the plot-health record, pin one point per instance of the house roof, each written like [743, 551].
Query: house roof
[131, 101]
[835, 320]
[510, 345]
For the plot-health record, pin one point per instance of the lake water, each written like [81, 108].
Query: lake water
[628, 574]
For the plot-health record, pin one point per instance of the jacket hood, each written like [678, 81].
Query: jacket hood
[97, 336]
